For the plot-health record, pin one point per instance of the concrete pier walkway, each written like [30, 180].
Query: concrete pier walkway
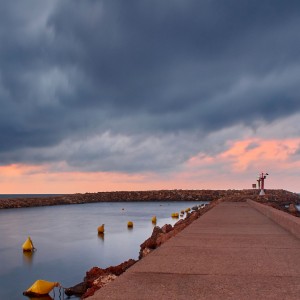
[231, 252]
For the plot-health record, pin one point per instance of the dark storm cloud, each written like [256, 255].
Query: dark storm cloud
[72, 72]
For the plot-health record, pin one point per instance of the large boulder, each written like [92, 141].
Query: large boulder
[96, 278]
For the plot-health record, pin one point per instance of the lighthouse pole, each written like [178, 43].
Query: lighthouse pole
[262, 177]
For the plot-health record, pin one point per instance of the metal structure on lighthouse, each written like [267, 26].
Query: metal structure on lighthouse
[261, 182]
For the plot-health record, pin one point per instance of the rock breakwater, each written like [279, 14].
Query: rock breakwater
[281, 197]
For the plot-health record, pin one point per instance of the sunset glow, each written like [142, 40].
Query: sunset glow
[236, 167]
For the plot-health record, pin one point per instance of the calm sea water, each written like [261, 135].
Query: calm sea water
[67, 241]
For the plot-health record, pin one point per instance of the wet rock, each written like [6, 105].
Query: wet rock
[292, 208]
[96, 278]
[167, 228]
[98, 284]
[96, 272]
[179, 222]
[77, 290]
[144, 252]
[151, 241]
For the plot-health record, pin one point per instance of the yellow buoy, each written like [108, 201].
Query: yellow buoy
[28, 245]
[175, 215]
[101, 229]
[130, 224]
[154, 219]
[41, 287]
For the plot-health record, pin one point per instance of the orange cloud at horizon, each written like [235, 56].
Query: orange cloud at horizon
[23, 179]
[265, 153]
[244, 159]
[251, 152]
[234, 168]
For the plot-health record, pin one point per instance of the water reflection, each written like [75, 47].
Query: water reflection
[28, 257]
[101, 236]
[45, 297]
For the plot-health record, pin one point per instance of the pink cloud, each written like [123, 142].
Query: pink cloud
[250, 154]
[266, 153]
[235, 168]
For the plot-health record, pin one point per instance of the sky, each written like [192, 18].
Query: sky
[114, 95]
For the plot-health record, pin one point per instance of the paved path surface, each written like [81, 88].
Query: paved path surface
[231, 252]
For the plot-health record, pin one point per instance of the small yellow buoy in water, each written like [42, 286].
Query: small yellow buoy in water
[175, 215]
[154, 219]
[28, 245]
[101, 229]
[130, 224]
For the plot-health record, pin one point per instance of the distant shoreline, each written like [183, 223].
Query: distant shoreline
[24, 196]
[277, 197]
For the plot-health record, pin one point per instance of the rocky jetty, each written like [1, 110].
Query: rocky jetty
[96, 278]
[280, 197]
